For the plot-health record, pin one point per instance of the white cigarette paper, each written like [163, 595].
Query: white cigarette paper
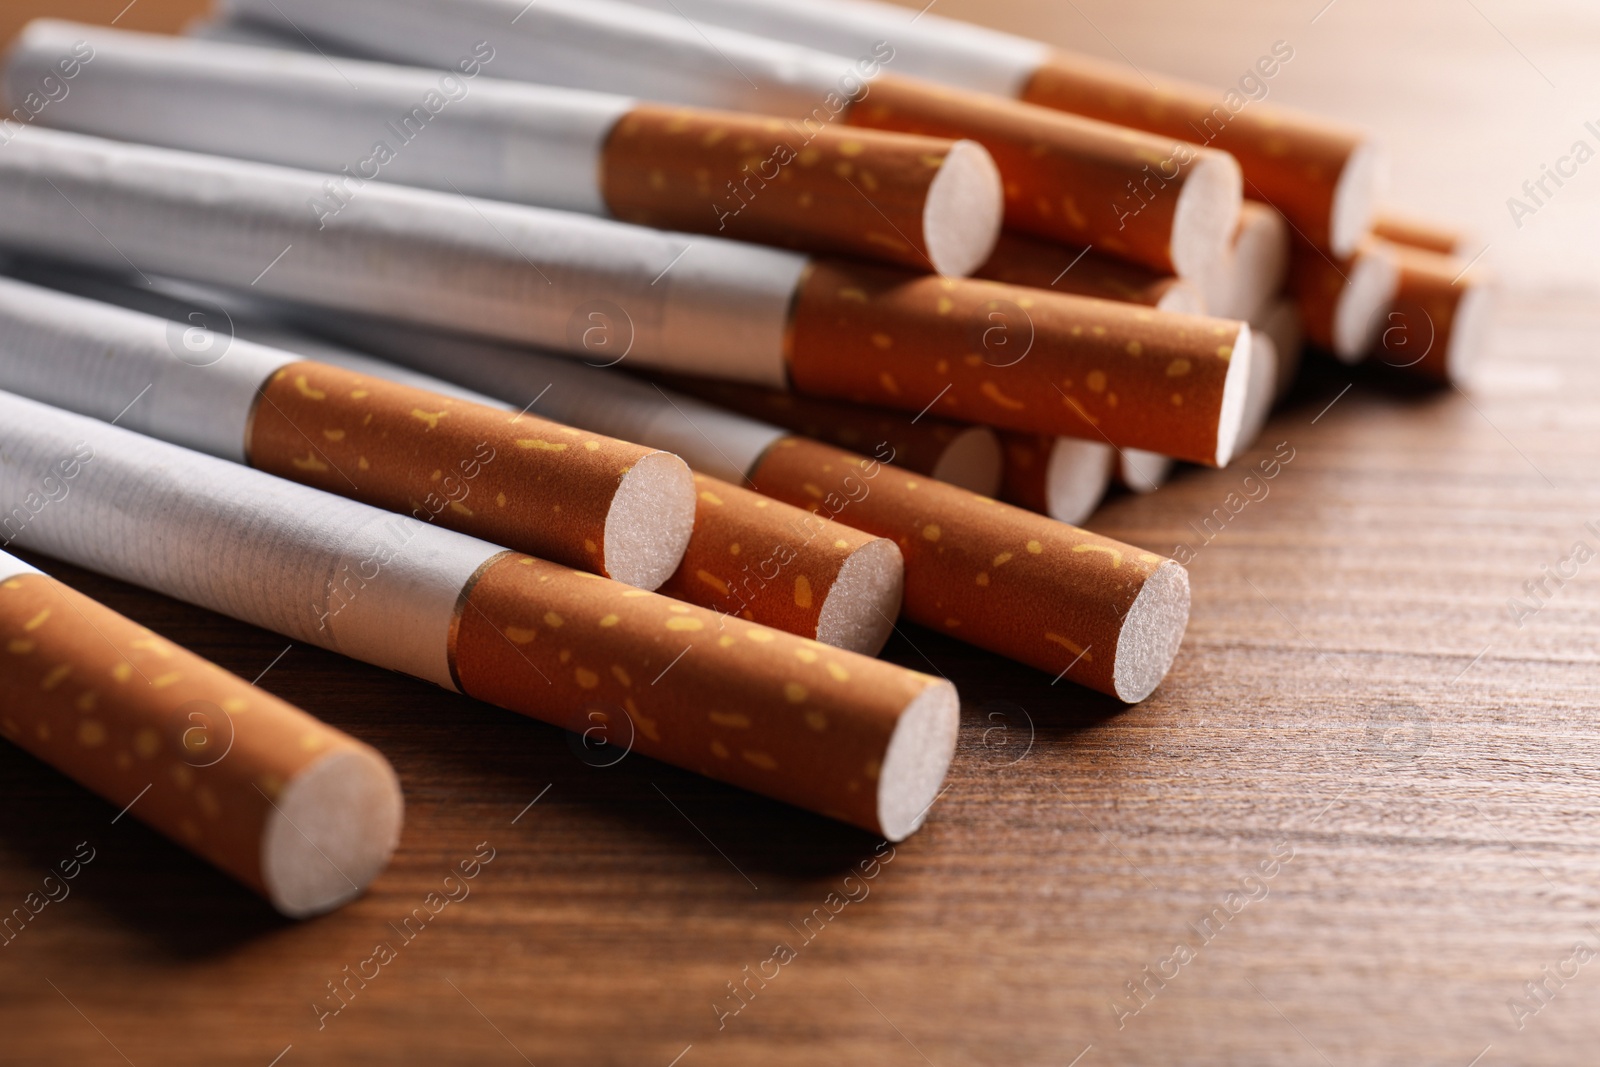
[458, 130]
[693, 304]
[584, 44]
[317, 568]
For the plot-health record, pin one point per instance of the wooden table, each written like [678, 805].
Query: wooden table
[1358, 817]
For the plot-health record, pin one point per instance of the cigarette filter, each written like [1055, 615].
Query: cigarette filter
[957, 453]
[843, 734]
[1342, 301]
[582, 499]
[1253, 270]
[1143, 472]
[1426, 234]
[1123, 609]
[1262, 394]
[591, 286]
[1029, 261]
[1053, 596]
[302, 813]
[922, 202]
[1026, 360]
[1150, 198]
[1436, 326]
[1324, 176]
[1062, 477]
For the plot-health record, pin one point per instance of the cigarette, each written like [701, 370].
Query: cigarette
[302, 813]
[582, 499]
[1061, 477]
[559, 280]
[922, 202]
[1253, 270]
[1438, 322]
[1027, 360]
[1143, 472]
[1281, 323]
[1145, 197]
[839, 586]
[1021, 260]
[1342, 302]
[845, 735]
[1426, 234]
[1069, 602]
[1105, 614]
[1324, 176]
[959, 454]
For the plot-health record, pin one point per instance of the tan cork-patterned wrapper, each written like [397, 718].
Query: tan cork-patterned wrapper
[1023, 359]
[917, 446]
[514, 480]
[760, 559]
[1027, 587]
[751, 178]
[1290, 160]
[1064, 178]
[1024, 474]
[745, 704]
[1425, 315]
[1419, 233]
[1021, 260]
[118, 709]
[1317, 282]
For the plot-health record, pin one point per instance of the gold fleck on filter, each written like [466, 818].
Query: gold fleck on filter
[1436, 326]
[1162, 203]
[1022, 359]
[1039, 264]
[1323, 175]
[1102, 613]
[767, 562]
[845, 735]
[300, 812]
[582, 499]
[958, 453]
[927, 203]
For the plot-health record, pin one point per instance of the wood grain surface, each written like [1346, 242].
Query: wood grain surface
[1361, 815]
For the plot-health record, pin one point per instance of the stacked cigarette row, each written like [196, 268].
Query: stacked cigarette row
[1107, 330]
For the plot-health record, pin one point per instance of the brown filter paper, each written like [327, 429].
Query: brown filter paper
[1024, 359]
[921, 446]
[751, 178]
[1434, 327]
[1021, 260]
[767, 562]
[1420, 233]
[199, 754]
[1039, 591]
[748, 705]
[1291, 160]
[1065, 178]
[1024, 479]
[515, 480]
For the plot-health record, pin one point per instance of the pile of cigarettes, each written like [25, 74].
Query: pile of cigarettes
[642, 364]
